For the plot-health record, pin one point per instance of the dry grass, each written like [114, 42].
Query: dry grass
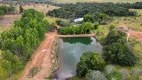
[7, 22]
[114, 1]
[39, 7]
[134, 23]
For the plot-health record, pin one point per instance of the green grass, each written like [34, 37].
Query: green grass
[52, 19]
[33, 71]
[17, 76]
[139, 11]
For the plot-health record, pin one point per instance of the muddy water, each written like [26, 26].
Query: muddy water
[70, 51]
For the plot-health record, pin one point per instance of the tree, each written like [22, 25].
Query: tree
[116, 50]
[10, 62]
[26, 35]
[88, 18]
[102, 17]
[1, 13]
[82, 29]
[115, 36]
[96, 26]
[89, 61]
[119, 53]
[21, 9]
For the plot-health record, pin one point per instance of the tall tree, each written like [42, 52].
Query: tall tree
[10, 62]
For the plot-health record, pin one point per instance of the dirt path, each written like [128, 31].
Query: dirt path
[135, 34]
[41, 59]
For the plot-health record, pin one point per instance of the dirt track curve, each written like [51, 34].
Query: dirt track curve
[135, 34]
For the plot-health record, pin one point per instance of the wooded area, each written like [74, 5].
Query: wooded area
[21, 41]
[80, 9]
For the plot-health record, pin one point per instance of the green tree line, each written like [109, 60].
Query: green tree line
[80, 9]
[81, 29]
[19, 43]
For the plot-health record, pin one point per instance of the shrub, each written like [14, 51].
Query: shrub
[95, 75]
[89, 61]
[125, 74]
[116, 50]
[114, 76]
[118, 53]
[88, 18]
[109, 69]
[62, 23]
[96, 26]
[136, 73]
[82, 29]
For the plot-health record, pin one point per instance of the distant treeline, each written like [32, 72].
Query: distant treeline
[80, 9]
[6, 10]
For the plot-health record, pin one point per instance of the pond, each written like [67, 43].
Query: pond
[70, 51]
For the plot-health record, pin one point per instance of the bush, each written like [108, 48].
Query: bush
[88, 18]
[62, 23]
[114, 76]
[95, 75]
[118, 53]
[136, 73]
[96, 26]
[109, 69]
[125, 74]
[115, 36]
[82, 29]
[1, 13]
[89, 61]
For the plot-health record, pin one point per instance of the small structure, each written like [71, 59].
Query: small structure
[78, 20]
[123, 28]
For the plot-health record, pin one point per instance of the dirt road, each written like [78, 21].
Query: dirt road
[41, 59]
[135, 34]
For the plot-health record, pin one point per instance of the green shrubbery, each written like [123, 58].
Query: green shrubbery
[89, 61]
[88, 18]
[23, 39]
[95, 75]
[62, 23]
[10, 62]
[116, 51]
[7, 9]
[81, 29]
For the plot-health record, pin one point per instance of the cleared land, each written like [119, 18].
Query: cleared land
[115, 1]
[7, 21]
[39, 7]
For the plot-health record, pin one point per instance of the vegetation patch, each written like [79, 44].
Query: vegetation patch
[33, 72]
[54, 59]
[84, 28]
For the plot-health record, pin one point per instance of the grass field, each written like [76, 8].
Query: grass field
[114, 1]
[139, 11]
[52, 19]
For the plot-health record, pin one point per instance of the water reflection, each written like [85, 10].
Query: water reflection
[70, 51]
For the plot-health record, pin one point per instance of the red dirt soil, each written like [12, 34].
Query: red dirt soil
[41, 59]
[135, 34]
